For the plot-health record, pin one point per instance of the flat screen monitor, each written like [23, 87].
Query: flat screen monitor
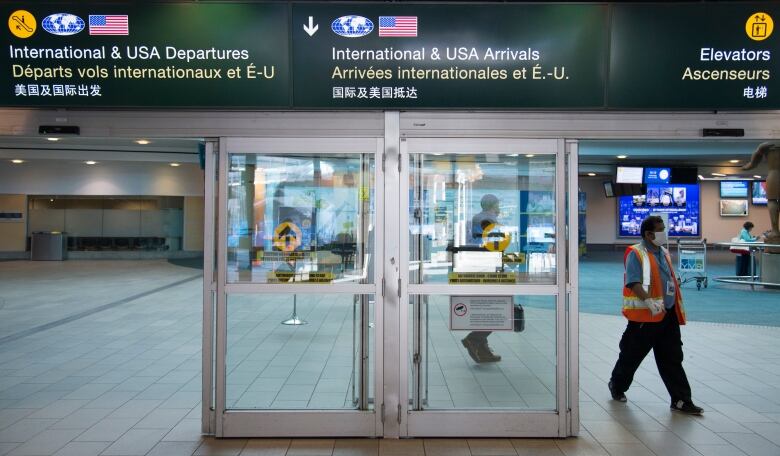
[608, 190]
[679, 202]
[684, 175]
[759, 193]
[657, 175]
[733, 189]
[629, 175]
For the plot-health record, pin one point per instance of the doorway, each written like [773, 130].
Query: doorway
[395, 287]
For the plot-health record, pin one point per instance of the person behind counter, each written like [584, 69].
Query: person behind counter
[743, 259]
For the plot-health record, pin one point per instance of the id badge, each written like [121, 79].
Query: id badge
[670, 288]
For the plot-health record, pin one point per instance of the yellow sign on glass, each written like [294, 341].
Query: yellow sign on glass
[759, 26]
[482, 277]
[287, 237]
[495, 241]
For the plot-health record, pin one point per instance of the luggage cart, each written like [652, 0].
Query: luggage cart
[692, 262]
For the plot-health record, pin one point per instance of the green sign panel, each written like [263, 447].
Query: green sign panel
[453, 56]
[174, 55]
[379, 55]
[694, 56]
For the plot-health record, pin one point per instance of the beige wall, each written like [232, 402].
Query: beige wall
[193, 223]
[601, 219]
[12, 234]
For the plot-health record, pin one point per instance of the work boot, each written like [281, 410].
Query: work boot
[686, 407]
[472, 347]
[620, 397]
[486, 354]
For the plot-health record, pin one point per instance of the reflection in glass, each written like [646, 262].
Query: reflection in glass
[314, 366]
[444, 375]
[482, 219]
[300, 218]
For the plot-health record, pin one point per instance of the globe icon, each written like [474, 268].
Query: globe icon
[63, 24]
[352, 26]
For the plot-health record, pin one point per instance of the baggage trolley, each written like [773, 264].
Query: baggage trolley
[692, 262]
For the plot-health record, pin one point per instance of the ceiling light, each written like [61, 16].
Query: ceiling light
[53, 139]
[701, 177]
[16, 161]
[529, 155]
[733, 161]
[143, 142]
[718, 174]
[51, 200]
[175, 164]
[513, 155]
[622, 156]
[757, 176]
[591, 174]
[90, 162]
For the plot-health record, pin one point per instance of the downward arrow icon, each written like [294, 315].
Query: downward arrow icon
[312, 28]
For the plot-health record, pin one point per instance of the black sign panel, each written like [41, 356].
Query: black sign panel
[453, 56]
[119, 55]
[694, 56]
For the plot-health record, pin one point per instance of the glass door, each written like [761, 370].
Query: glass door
[483, 312]
[298, 305]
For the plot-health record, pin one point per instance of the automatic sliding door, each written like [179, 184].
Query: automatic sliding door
[296, 355]
[484, 311]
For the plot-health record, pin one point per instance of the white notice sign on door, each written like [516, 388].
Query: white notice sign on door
[481, 313]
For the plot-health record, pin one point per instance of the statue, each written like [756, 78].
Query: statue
[772, 153]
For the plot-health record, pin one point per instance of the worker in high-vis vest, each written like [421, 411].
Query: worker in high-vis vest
[653, 305]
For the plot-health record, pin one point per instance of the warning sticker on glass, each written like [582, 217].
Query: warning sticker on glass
[481, 313]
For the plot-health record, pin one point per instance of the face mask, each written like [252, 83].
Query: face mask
[661, 238]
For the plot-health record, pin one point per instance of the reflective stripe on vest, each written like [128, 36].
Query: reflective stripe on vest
[636, 309]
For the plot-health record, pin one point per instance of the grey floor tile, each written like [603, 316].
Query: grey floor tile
[356, 447]
[220, 447]
[135, 442]
[186, 431]
[627, 449]
[491, 447]
[45, 443]
[311, 447]
[107, 430]
[82, 449]
[174, 449]
[266, 447]
[718, 450]
[752, 444]
[24, 429]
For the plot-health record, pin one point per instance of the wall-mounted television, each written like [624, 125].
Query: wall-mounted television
[680, 202]
[733, 189]
[657, 175]
[733, 208]
[759, 193]
[629, 175]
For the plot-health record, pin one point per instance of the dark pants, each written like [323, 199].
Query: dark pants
[664, 338]
[743, 264]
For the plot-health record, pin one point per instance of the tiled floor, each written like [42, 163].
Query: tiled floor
[125, 380]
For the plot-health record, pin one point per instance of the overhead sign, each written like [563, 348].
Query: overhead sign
[694, 56]
[418, 55]
[155, 55]
[481, 313]
[329, 55]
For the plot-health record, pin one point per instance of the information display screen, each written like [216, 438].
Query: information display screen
[733, 189]
[628, 175]
[680, 202]
[759, 193]
[657, 175]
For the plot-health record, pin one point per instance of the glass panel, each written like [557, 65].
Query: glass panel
[482, 219]
[300, 218]
[451, 378]
[316, 365]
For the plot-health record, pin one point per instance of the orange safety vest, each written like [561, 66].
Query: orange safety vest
[634, 308]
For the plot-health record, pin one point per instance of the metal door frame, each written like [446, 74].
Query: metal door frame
[487, 423]
[289, 423]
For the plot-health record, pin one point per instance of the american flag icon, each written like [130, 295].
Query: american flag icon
[398, 26]
[108, 24]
